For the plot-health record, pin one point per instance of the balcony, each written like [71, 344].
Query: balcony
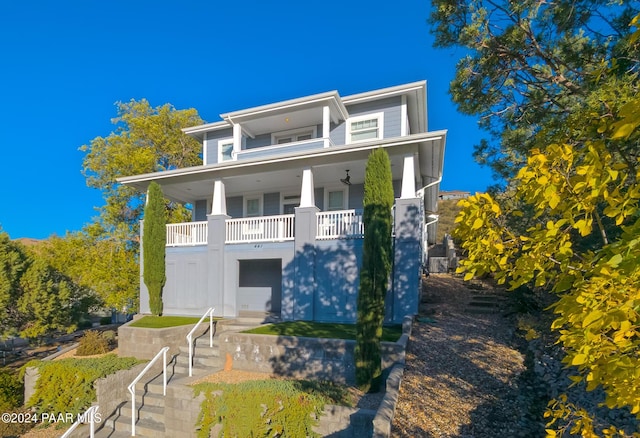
[285, 148]
[279, 228]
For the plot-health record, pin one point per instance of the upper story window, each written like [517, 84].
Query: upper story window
[293, 135]
[367, 127]
[225, 150]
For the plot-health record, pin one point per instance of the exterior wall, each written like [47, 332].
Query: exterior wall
[235, 206]
[211, 144]
[200, 210]
[391, 107]
[185, 291]
[271, 204]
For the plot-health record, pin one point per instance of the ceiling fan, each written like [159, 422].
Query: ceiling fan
[346, 180]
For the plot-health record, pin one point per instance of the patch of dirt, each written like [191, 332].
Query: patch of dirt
[462, 369]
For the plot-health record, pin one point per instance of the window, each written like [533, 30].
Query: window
[253, 206]
[225, 150]
[335, 200]
[363, 128]
[289, 203]
[293, 135]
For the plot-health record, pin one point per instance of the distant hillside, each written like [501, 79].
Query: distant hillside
[28, 241]
[447, 212]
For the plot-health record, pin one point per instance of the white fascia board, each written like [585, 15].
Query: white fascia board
[384, 92]
[287, 105]
[199, 131]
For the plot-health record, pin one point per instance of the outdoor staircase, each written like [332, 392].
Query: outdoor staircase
[150, 402]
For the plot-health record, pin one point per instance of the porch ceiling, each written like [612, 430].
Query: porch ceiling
[283, 174]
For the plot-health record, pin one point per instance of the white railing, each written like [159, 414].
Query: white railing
[88, 416]
[132, 386]
[343, 223]
[190, 336]
[260, 229]
[187, 234]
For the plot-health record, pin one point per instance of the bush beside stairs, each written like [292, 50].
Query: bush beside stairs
[175, 414]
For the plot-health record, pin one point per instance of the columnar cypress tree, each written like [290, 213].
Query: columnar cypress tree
[153, 246]
[376, 268]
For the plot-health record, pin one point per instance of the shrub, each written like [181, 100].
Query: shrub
[11, 390]
[282, 408]
[66, 386]
[105, 320]
[92, 342]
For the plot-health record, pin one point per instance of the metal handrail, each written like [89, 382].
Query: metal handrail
[190, 336]
[132, 386]
[89, 414]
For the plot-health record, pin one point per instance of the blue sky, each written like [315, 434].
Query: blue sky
[63, 66]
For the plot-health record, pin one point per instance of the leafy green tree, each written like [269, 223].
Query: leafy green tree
[154, 243]
[376, 267]
[13, 263]
[90, 261]
[146, 140]
[580, 241]
[530, 64]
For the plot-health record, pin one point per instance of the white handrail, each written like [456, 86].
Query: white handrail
[190, 336]
[132, 386]
[90, 415]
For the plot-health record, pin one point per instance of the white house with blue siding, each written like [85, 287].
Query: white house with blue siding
[277, 206]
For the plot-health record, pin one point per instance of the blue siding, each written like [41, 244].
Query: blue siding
[211, 144]
[337, 133]
[259, 141]
[235, 206]
[271, 204]
[356, 195]
[200, 213]
[391, 107]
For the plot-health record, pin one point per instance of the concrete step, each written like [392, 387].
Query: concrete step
[145, 412]
[197, 370]
[149, 399]
[107, 432]
[144, 427]
[202, 350]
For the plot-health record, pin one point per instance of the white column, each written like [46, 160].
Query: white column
[219, 202]
[237, 139]
[307, 198]
[326, 125]
[408, 179]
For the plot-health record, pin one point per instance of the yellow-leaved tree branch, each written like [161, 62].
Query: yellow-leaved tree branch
[575, 206]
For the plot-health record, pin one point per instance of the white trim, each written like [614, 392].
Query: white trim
[380, 119]
[313, 130]
[294, 199]
[404, 121]
[336, 188]
[249, 197]
[226, 141]
[204, 149]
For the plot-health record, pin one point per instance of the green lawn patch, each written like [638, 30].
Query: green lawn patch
[164, 321]
[310, 329]
[261, 408]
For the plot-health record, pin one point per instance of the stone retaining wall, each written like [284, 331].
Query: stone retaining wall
[299, 357]
[145, 343]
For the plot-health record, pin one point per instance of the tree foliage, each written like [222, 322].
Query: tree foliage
[37, 299]
[90, 261]
[579, 238]
[376, 267]
[154, 243]
[531, 64]
[146, 140]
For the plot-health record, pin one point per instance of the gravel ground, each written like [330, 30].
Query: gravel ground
[462, 371]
